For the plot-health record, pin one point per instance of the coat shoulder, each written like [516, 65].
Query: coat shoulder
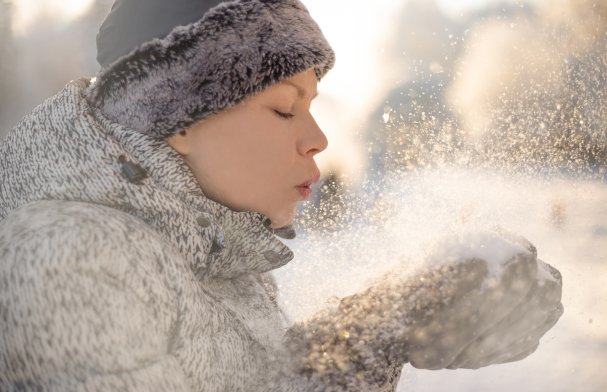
[80, 235]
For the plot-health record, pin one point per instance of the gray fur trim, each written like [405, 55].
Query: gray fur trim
[236, 50]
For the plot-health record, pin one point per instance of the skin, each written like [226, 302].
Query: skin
[253, 157]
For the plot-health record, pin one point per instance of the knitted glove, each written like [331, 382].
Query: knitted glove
[487, 300]
[491, 306]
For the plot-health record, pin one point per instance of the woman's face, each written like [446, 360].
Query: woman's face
[259, 156]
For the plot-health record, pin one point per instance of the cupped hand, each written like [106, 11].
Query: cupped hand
[463, 314]
[517, 335]
[492, 322]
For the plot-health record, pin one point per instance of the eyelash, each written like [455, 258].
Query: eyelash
[286, 116]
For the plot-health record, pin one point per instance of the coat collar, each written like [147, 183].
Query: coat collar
[243, 242]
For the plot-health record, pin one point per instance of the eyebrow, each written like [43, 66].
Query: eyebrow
[301, 92]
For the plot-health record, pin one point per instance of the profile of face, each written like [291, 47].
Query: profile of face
[259, 155]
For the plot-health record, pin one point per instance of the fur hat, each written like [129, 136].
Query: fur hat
[237, 49]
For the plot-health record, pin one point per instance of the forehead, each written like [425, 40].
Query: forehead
[304, 84]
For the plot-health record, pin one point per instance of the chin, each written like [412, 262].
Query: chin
[283, 218]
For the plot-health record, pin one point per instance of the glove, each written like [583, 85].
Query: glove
[484, 301]
[517, 335]
[480, 299]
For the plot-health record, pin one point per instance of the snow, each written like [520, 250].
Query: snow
[488, 246]
[564, 218]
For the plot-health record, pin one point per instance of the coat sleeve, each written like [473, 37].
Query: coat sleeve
[327, 355]
[345, 348]
[84, 303]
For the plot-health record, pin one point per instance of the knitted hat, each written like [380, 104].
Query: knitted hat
[161, 84]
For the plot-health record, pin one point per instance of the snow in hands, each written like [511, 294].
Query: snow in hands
[479, 299]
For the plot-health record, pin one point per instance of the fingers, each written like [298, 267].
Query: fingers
[520, 348]
[438, 338]
[515, 238]
[516, 279]
[548, 272]
[549, 324]
[525, 343]
[522, 355]
[539, 305]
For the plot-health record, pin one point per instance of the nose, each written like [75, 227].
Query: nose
[313, 140]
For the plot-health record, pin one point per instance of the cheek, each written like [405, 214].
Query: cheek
[254, 167]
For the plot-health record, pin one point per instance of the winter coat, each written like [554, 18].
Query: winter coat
[117, 273]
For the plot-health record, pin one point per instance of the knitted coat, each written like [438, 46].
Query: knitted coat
[116, 273]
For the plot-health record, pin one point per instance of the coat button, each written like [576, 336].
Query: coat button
[271, 256]
[203, 222]
[133, 172]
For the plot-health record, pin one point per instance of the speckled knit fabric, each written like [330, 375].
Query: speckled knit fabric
[106, 284]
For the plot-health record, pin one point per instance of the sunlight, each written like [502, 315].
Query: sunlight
[29, 11]
[360, 79]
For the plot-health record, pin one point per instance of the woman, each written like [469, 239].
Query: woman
[138, 213]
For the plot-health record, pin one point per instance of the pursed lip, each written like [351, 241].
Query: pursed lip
[304, 188]
[312, 180]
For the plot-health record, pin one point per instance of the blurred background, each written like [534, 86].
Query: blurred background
[442, 116]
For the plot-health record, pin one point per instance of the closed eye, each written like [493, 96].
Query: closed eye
[284, 115]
